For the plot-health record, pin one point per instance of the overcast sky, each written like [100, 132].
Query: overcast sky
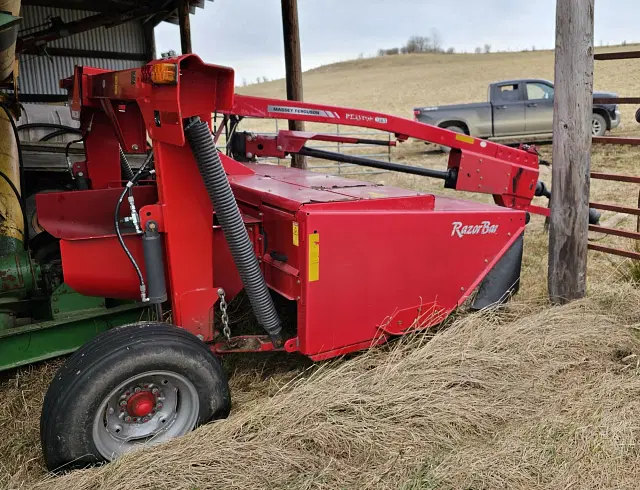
[247, 34]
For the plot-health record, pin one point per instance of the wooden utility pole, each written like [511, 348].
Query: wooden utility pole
[573, 105]
[293, 65]
[149, 41]
[185, 26]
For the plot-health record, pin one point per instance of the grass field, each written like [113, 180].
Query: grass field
[530, 398]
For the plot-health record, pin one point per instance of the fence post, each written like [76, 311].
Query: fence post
[573, 105]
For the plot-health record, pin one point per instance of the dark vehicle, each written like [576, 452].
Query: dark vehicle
[516, 108]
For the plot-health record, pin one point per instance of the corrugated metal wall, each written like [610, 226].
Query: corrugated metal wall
[41, 74]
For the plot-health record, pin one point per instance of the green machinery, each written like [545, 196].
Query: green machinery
[40, 316]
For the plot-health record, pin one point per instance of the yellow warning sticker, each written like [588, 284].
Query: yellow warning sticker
[296, 234]
[314, 257]
[465, 138]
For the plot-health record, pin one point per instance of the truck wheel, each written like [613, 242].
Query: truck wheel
[455, 129]
[132, 385]
[598, 125]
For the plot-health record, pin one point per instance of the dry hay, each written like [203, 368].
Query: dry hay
[523, 399]
[21, 395]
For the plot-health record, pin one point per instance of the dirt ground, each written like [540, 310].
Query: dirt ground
[395, 85]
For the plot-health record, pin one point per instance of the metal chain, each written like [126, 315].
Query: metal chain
[225, 318]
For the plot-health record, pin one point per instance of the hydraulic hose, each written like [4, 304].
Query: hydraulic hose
[44, 125]
[56, 133]
[116, 221]
[233, 227]
[127, 173]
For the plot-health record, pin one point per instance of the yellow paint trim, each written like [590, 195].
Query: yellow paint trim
[296, 234]
[11, 221]
[465, 139]
[314, 257]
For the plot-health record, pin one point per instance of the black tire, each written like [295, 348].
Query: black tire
[598, 125]
[455, 129]
[91, 374]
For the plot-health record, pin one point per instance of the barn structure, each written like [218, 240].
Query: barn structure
[45, 39]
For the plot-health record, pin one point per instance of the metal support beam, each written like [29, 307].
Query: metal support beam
[161, 15]
[569, 221]
[85, 53]
[185, 26]
[61, 30]
[293, 66]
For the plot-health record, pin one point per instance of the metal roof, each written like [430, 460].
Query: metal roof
[41, 71]
[113, 6]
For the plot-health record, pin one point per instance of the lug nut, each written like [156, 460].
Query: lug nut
[159, 406]
[137, 390]
[155, 391]
[145, 419]
[123, 403]
[127, 419]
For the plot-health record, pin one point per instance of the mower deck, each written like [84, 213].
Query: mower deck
[366, 261]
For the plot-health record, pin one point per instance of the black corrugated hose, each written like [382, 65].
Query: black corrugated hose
[235, 232]
[127, 173]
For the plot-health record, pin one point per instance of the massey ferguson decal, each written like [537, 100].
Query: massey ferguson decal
[302, 112]
[484, 228]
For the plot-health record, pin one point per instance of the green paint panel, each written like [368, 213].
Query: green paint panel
[8, 20]
[10, 246]
[18, 274]
[40, 341]
[65, 302]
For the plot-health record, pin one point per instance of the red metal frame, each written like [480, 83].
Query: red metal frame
[362, 262]
[510, 174]
[629, 179]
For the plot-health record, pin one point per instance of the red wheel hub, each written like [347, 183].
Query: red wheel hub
[140, 404]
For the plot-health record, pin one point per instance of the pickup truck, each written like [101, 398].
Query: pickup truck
[516, 109]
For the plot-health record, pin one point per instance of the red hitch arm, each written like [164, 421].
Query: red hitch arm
[509, 174]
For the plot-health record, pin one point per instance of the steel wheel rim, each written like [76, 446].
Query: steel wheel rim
[174, 413]
[595, 126]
